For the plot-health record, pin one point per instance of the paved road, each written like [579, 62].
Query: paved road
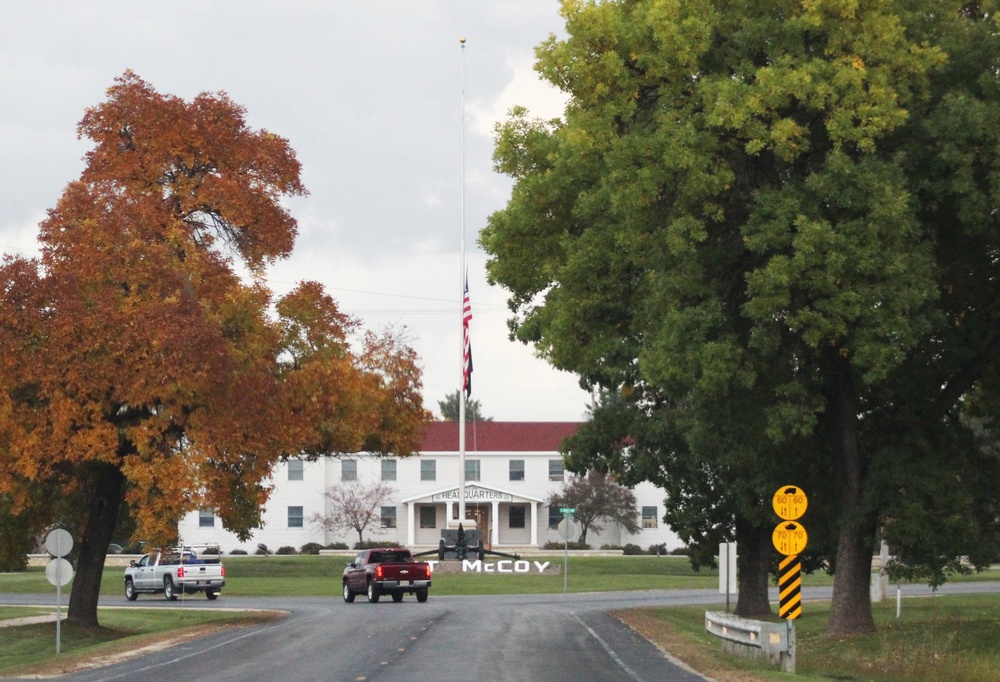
[546, 637]
[543, 637]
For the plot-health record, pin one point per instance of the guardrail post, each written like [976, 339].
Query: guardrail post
[788, 657]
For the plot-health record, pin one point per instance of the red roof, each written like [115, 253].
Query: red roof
[498, 436]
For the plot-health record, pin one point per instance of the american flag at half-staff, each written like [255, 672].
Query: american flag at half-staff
[467, 344]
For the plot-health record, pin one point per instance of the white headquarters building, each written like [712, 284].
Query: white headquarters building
[511, 468]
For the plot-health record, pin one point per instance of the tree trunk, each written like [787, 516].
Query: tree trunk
[105, 502]
[851, 606]
[754, 559]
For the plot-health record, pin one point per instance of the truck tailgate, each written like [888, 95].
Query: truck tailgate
[404, 572]
[198, 572]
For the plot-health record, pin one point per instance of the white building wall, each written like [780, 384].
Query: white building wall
[495, 473]
[307, 493]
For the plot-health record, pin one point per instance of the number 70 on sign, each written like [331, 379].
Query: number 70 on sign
[789, 538]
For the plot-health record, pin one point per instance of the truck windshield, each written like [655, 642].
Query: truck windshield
[389, 558]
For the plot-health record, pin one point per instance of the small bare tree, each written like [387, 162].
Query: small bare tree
[353, 506]
[595, 497]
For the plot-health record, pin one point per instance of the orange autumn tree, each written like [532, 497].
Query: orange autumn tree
[138, 367]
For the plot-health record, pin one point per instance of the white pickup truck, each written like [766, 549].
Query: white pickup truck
[174, 572]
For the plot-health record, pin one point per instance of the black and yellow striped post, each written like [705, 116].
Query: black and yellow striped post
[790, 587]
[789, 538]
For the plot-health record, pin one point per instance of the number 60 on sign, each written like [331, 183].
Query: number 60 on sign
[790, 502]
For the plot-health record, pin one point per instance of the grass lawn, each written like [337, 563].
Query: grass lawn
[950, 638]
[21, 611]
[311, 575]
[294, 575]
[246, 576]
[122, 632]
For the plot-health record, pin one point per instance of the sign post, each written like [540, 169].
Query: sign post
[789, 538]
[59, 572]
[727, 570]
[566, 512]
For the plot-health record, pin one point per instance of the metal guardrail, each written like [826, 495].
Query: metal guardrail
[757, 639]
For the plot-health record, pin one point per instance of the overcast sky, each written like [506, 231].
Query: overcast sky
[369, 93]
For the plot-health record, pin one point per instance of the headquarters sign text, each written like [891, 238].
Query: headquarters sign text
[473, 494]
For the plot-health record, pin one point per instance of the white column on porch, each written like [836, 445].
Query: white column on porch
[533, 522]
[495, 530]
[411, 532]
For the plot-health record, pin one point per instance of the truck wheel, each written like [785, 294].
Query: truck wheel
[212, 594]
[130, 592]
[421, 596]
[397, 597]
[373, 592]
[348, 595]
[168, 589]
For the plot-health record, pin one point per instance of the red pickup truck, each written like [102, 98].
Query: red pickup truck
[387, 570]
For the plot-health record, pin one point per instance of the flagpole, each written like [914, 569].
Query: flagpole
[461, 317]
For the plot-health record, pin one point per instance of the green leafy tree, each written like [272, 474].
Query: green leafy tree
[450, 408]
[707, 501]
[17, 538]
[771, 228]
[597, 498]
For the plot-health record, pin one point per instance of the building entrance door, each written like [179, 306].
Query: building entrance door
[480, 513]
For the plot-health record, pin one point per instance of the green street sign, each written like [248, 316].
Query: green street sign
[567, 510]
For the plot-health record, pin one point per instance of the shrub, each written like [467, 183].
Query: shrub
[552, 544]
[337, 545]
[285, 550]
[16, 537]
[309, 548]
[372, 544]
[632, 550]
[680, 551]
[659, 549]
[262, 550]
[212, 550]
[238, 552]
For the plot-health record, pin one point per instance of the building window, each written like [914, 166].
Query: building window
[516, 516]
[295, 517]
[649, 517]
[517, 469]
[428, 470]
[556, 470]
[206, 518]
[348, 470]
[388, 517]
[472, 470]
[296, 467]
[428, 517]
[555, 517]
[388, 470]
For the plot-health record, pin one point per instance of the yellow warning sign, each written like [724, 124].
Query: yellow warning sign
[789, 538]
[790, 502]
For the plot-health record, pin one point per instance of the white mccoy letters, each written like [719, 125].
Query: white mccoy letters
[503, 566]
